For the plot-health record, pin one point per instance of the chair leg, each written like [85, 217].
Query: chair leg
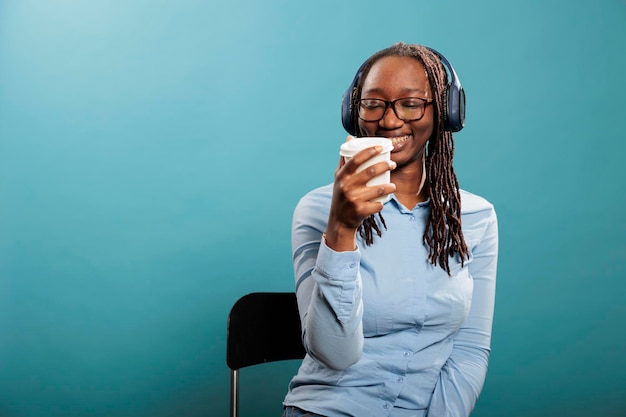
[234, 393]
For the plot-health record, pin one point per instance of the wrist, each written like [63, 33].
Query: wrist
[340, 239]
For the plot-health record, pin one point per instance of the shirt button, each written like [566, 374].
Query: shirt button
[412, 218]
[386, 406]
[400, 379]
[406, 354]
[351, 265]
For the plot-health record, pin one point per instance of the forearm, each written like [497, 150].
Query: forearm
[329, 298]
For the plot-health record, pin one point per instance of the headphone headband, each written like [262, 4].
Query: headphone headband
[454, 96]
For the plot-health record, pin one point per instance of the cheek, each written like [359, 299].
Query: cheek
[423, 129]
[427, 131]
[427, 125]
[366, 128]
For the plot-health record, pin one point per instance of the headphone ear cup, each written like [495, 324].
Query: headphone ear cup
[346, 103]
[461, 109]
[346, 111]
[455, 117]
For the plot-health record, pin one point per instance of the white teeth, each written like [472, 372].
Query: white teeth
[399, 139]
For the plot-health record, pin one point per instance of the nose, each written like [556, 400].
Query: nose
[390, 119]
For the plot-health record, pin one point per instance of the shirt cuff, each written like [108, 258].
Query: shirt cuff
[341, 266]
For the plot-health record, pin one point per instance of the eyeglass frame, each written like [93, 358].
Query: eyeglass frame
[392, 104]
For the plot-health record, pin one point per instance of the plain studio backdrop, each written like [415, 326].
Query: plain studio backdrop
[152, 153]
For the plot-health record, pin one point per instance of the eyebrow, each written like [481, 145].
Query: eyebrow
[404, 91]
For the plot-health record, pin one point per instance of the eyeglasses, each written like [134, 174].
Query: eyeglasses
[408, 109]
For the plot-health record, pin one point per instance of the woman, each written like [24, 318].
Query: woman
[396, 299]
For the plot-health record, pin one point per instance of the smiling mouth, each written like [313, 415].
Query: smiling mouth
[399, 139]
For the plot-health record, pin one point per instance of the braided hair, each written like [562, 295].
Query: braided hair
[443, 233]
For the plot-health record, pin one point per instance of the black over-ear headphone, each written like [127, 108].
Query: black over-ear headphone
[454, 95]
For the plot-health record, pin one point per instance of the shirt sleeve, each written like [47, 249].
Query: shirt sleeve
[328, 288]
[462, 376]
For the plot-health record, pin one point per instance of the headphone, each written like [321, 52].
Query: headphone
[454, 96]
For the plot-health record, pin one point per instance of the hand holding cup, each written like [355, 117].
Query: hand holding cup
[362, 185]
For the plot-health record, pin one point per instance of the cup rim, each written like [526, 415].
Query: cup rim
[355, 145]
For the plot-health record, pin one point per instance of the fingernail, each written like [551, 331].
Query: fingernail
[392, 165]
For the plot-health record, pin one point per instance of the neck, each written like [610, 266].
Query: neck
[410, 183]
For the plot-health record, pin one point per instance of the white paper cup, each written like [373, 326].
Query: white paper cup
[351, 147]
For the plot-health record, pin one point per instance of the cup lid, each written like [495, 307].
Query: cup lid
[355, 145]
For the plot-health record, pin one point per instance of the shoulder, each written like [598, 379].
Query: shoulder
[479, 218]
[472, 203]
[313, 207]
[318, 198]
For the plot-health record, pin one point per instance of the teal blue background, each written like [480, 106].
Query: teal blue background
[152, 152]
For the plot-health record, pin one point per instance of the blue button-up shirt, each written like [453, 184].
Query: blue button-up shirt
[386, 332]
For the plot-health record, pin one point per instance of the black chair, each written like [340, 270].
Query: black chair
[262, 327]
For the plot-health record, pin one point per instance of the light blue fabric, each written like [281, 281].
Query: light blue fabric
[387, 333]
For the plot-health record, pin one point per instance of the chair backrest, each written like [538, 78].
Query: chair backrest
[262, 327]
